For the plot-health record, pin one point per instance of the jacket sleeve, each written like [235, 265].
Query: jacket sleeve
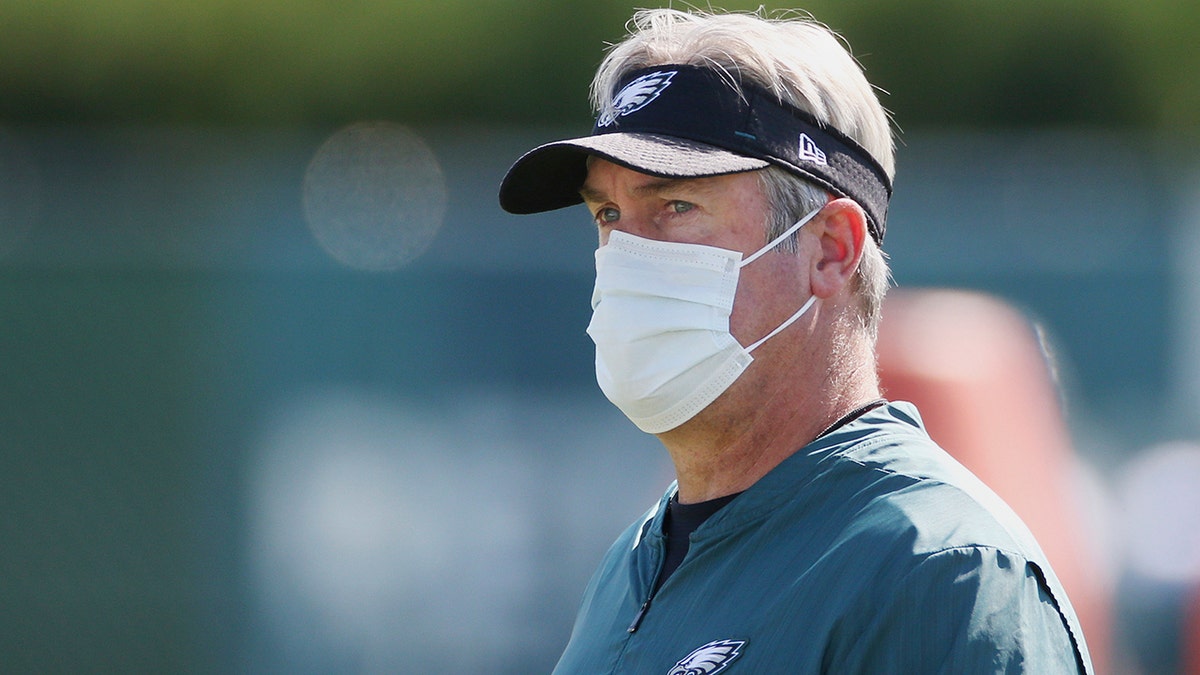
[962, 610]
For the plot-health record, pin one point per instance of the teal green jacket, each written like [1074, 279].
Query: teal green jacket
[868, 551]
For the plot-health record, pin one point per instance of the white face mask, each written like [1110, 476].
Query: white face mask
[660, 321]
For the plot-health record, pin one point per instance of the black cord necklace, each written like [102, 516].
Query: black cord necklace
[851, 416]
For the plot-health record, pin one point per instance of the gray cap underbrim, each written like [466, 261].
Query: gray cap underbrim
[549, 176]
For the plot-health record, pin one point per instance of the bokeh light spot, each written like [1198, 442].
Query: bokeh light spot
[374, 196]
[1161, 509]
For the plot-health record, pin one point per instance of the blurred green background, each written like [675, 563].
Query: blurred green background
[973, 63]
[224, 450]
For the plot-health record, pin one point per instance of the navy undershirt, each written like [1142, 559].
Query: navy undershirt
[681, 520]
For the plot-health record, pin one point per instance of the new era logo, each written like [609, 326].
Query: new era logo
[809, 152]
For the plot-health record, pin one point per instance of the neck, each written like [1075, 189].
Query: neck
[765, 417]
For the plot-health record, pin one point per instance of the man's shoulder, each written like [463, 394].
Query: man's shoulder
[885, 482]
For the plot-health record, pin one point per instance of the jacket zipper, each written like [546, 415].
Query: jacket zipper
[641, 614]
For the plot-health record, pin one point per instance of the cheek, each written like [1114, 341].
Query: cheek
[769, 291]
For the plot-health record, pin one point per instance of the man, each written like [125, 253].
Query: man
[739, 174]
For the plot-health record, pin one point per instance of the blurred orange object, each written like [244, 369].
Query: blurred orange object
[977, 371]
[1190, 657]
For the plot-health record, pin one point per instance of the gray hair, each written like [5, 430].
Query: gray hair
[801, 62]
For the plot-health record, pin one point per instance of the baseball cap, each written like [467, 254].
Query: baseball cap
[677, 121]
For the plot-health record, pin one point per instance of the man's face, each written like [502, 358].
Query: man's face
[728, 211]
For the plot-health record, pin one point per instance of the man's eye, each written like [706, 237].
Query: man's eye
[608, 215]
[682, 207]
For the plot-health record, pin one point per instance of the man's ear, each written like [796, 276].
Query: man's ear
[842, 229]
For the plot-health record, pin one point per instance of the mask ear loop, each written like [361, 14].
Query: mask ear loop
[775, 242]
[799, 313]
[778, 240]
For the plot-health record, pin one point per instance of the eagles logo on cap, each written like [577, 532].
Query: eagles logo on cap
[637, 95]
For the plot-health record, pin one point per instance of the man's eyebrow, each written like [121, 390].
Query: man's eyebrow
[651, 187]
[591, 195]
